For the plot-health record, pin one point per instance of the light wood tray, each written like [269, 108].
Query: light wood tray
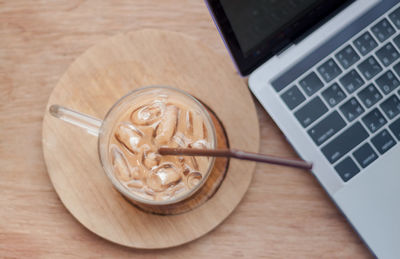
[94, 82]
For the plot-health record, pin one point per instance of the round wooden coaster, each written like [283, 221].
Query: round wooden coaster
[92, 84]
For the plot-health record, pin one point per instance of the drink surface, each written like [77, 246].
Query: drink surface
[152, 122]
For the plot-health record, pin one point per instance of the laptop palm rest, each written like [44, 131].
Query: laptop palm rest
[372, 204]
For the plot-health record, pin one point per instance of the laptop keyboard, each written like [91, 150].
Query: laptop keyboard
[349, 102]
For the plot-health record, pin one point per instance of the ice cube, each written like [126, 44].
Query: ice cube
[202, 143]
[168, 173]
[148, 114]
[179, 188]
[151, 159]
[180, 139]
[205, 131]
[149, 191]
[189, 164]
[189, 122]
[129, 136]
[198, 129]
[164, 176]
[174, 191]
[186, 169]
[194, 179]
[167, 126]
[137, 172]
[120, 165]
[154, 182]
[193, 160]
[137, 184]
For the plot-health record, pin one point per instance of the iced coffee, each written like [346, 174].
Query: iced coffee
[153, 121]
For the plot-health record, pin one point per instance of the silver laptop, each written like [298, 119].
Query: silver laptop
[328, 74]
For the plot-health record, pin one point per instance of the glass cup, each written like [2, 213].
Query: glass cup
[104, 131]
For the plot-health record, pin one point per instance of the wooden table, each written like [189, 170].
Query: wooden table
[284, 214]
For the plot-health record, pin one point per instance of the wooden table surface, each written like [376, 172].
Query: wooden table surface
[284, 214]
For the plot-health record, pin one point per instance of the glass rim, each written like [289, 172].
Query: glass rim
[103, 154]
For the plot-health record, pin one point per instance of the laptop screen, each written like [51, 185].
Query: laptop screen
[255, 30]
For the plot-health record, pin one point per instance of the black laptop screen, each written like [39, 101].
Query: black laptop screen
[255, 30]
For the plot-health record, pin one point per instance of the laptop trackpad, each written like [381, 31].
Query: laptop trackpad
[371, 202]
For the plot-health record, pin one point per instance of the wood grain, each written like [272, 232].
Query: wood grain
[285, 213]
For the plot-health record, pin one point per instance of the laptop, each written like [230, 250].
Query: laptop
[328, 73]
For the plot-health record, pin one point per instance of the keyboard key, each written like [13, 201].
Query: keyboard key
[365, 155]
[329, 70]
[347, 57]
[383, 141]
[351, 109]
[311, 111]
[374, 120]
[347, 169]
[369, 95]
[365, 43]
[351, 81]
[311, 84]
[293, 97]
[395, 17]
[391, 106]
[387, 54]
[345, 142]
[387, 82]
[326, 128]
[369, 68]
[383, 30]
[397, 41]
[395, 128]
[396, 68]
[333, 95]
